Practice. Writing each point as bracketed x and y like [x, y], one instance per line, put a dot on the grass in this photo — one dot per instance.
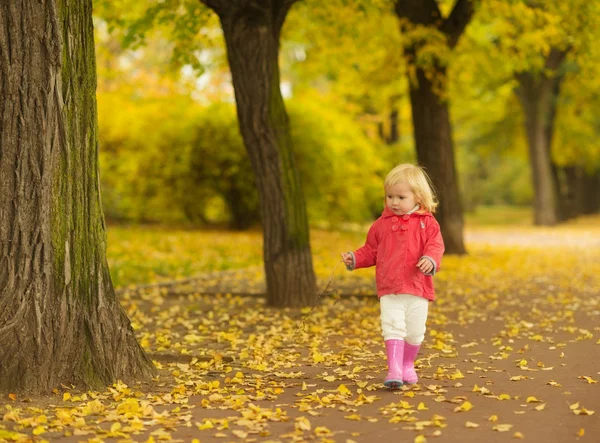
[143, 255]
[499, 215]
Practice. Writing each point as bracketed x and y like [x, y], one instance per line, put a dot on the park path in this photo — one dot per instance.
[511, 353]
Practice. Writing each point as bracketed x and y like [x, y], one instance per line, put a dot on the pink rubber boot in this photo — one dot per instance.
[408, 365]
[395, 354]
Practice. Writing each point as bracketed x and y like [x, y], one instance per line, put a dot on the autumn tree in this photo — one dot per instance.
[538, 46]
[252, 29]
[60, 321]
[429, 37]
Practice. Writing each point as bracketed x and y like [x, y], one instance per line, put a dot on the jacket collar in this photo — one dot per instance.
[387, 212]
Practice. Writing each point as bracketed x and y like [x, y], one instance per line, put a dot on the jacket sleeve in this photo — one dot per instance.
[366, 256]
[434, 245]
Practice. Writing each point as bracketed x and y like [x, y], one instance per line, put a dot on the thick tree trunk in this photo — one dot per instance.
[538, 94]
[252, 38]
[60, 322]
[431, 118]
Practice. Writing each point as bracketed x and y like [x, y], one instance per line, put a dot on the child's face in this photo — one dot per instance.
[400, 198]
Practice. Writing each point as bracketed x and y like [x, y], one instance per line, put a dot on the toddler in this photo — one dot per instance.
[406, 247]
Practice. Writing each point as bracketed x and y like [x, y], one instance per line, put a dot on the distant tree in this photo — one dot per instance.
[540, 46]
[60, 321]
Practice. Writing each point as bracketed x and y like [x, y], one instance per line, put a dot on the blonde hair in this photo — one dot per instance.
[418, 180]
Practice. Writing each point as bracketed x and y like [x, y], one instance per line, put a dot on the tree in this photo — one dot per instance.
[60, 321]
[252, 31]
[429, 36]
[537, 48]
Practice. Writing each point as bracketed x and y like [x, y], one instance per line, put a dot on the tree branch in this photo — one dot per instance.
[556, 57]
[216, 5]
[423, 12]
[280, 11]
[457, 21]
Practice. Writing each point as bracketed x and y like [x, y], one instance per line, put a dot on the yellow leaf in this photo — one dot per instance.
[502, 428]
[39, 430]
[541, 407]
[422, 407]
[574, 406]
[581, 432]
[322, 431]
[66, 396]
[342, 389]
[329, 378]
[420, 439]
[318, 358]
[115, 427]
[13, 397]
[493, 418]
[518, 435]
[240, 433]
[532, 399]
[504, 397]
[353, 417]
[590, 380]
[466, 406]
[470, 424]
[206, 425]
[302, 424]
[583, 411]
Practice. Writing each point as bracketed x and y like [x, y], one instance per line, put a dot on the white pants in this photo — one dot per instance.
[403, 317]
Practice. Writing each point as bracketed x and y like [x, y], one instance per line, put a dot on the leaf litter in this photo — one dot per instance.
[230, 368]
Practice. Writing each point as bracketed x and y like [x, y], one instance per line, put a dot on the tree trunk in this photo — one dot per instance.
[435, 151]
[574, 176]
[538, 94]
[592, 193]
[252, 39]
[60, 322]
[431, 118]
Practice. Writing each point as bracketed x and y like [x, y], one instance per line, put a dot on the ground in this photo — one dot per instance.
[511, 353]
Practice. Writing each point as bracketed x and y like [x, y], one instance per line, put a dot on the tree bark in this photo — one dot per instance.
[575, 191]
[538, 93]
[592, 193]
[252, 31]
[60, 322]
[430, 114]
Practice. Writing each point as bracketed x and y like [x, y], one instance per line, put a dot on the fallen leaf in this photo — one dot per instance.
[466, 406]
[502, 428]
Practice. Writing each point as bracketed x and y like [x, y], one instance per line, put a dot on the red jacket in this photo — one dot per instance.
[395, 244]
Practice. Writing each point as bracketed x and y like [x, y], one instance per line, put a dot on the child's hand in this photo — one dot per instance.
[425, 265]
[347, 258]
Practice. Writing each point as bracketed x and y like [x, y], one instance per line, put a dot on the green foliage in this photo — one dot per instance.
[342, 171]
[165, 158]
[173, 161]
[144, 146]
